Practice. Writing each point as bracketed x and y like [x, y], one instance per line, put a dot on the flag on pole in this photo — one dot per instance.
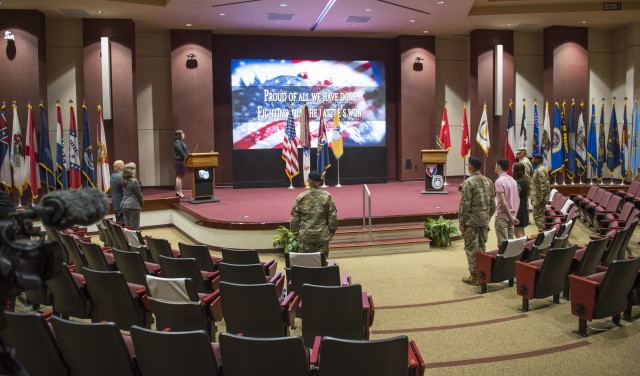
[323, 162]
[88, 170]
[290, 148]
[62, 176]
[571, 144]
[522, 141]
[31, 157]
[75, 177]
[17, 154]
[545, 142]
[581, 151]
[465, 144]
[602, 148]
[482, 137]
[510, 145]
[336, 135]
[557, 155]
[625, 155]
[47, 176]
[592, 142]
[305, 139]
[613, 142]
[444, 139]
[536, 129]
[102, 153]
[635, 142]
[5, 165]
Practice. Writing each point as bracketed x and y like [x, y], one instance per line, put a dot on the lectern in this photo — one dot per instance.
[434, 161]
[201, 167]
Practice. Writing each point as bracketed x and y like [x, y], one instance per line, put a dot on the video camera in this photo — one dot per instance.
[26, 258]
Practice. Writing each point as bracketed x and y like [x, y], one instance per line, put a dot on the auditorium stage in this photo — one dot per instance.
[264, 208]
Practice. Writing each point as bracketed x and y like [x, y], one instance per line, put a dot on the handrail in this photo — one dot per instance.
[366, 193]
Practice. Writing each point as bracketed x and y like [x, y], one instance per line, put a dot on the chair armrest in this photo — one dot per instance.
[279, 282]
[313, 359]
[274, 278]
[596, 237]
[601, 268]
[583, 295]
[293, 309]
[345, 280]
[416, 363]
[525, 279]
[332, 263]
[365, 301]
[372, 310]
[287, 300]
[215, 309]
[612, 220]
[270, 267]
[483, 266]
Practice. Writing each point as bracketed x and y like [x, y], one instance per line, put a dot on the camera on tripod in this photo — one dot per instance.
[26, 258]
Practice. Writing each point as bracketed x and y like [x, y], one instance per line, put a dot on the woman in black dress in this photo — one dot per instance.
[180, 152]
[523, 192]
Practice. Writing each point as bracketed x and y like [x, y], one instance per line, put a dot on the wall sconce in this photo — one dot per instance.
[11, 44]
[9, 35]
[417, 64]
[192, 63]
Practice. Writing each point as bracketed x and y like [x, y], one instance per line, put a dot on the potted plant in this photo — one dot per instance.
[440, 231]
[285, 239]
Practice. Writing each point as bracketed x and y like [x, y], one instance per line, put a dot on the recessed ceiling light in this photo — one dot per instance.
[283, 5]
[223, 14]
[584, 22]
[367, 10]
[426, 32]
[508, 25]
[412, 20]
[97, 11]
[439, 2]
[188, 25]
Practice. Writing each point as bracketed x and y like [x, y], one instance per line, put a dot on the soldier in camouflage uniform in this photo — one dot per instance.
[539, 191]
[313, 217]
[477, 204]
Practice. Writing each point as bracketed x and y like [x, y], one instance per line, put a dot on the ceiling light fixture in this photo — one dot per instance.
[188, 25]
[322, 14]
[508, 25]
[584, 22]
[367, 10]
[412, 21]
[426, 32]
[283, 5]
[97, 11]
[223, 14]
[440, 2]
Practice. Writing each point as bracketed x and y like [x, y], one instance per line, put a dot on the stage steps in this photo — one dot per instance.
[385, 240]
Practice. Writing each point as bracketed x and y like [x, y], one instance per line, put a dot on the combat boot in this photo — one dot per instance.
[471, 280]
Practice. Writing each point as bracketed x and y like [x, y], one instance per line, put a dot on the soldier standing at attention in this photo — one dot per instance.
[476, 206]
[522, 158]
[313, 217]
[539, 190]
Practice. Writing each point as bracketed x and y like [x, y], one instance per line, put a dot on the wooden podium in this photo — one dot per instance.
[434, 161]
[201, 167]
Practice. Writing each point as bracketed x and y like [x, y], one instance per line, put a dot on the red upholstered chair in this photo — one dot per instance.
[248, 256]
[249, 274]
[586, 260]
[160, 247]
[95, 348]
[603, 294]
[257, 310]
[617, 246]
[630, 193]
[133, 267]
[542, 278]
[34, 343]
[499, 265]
[175, 353]
[204, 282]
[591, 207]
[600, 212]
[579, 198]
[200, 252]
[383, 357]
[534, 248]
[586, 202]
[615, 222]
[337, 311]
[70, 295]
[96, 258]
[274, 356]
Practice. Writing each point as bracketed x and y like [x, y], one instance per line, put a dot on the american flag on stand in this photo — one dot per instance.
[290, 148]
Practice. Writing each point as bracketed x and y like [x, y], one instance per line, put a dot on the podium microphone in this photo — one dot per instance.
[196, 148]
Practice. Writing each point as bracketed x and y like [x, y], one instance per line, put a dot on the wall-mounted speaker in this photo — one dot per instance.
[498, 70]
[105, 57]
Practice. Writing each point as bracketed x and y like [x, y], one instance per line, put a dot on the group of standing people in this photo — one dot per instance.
[126, 194]
[507, 199]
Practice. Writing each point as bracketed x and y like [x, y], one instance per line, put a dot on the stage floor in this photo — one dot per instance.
[392, 202]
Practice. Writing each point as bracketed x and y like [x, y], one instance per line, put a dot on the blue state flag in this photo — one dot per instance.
[536, 129]
[613, 143]
[88, 170]
[47, 176]
[571, 145]
[557, 148]
[635, 143]
[592, 141]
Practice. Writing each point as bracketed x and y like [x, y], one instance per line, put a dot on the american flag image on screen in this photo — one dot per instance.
[263, 90]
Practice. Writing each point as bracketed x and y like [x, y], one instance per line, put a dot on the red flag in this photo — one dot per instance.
[444, 139]
[465, 144]
[31, 156]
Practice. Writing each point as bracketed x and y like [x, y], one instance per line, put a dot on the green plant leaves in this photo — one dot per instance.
[285, 239]
[440, 231]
